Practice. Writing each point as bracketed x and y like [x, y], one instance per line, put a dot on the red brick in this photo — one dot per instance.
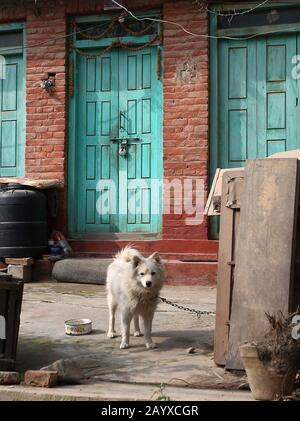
[9, 378]
[40, 378]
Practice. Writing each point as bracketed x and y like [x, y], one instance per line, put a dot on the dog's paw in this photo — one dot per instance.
[124, 345]
[151, 345]
[111, 335]
[137, 334]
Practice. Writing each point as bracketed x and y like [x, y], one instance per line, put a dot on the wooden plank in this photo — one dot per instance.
[265, 253]
[39, 184]
[228, 233]
[24, 261]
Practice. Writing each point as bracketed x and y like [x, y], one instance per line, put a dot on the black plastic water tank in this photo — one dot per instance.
[23, 221]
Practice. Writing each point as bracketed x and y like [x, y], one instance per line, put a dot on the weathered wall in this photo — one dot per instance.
[185, 84]
[185, 106]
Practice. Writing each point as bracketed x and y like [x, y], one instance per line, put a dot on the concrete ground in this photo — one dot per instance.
[114, 374]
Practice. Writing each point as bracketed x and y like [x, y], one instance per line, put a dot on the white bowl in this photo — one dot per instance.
[77, 327]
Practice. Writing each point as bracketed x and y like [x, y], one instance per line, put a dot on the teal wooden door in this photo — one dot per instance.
[258, 99]
[97, 123]
[119, 99]
[12, 117]
[141, 110]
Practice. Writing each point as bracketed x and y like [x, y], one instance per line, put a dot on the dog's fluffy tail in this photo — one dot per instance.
[127, 254]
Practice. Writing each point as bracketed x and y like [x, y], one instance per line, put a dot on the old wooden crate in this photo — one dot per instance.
[11, 293]
[265, 258]
[255, 277]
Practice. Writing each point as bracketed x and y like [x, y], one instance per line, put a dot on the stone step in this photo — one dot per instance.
[184, 257]
[173, 246]
[191, 273]
[93, 271]
[118, 391]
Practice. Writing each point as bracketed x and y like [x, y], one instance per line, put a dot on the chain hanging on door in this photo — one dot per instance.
[116, 24]
[115, 44]
[113, 30]
[87, 35]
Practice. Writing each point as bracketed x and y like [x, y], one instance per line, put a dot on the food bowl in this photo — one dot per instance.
[77, 327]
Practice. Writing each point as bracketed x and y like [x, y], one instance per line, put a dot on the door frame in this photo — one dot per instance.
[72, 209]
[216, 33]
[18, 27]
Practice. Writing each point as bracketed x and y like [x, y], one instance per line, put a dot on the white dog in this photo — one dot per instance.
[133, 284]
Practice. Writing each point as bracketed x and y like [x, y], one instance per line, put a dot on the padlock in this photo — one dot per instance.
[123, 148]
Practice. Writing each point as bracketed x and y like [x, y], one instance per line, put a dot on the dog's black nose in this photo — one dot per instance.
[148, 284]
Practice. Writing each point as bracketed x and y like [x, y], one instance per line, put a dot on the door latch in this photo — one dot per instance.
[124, 142]
[122, 119]
[123, 148]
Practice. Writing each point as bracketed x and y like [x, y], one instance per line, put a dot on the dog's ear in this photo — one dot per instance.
[156, 257]
[135, 261]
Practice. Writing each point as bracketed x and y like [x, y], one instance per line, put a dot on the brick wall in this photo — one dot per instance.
[185, 95]
[185, 107]
[46, 136]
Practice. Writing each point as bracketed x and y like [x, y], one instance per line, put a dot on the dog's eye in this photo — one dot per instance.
[153, 273]
[142, 274]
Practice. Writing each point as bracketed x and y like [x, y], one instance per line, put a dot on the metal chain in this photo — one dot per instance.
[109, 29]
[137, 33]
[92, 56]
[199, 313]
[115, 44]
[94, 37]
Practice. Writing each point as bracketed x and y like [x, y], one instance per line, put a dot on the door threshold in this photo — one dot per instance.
[116, 236]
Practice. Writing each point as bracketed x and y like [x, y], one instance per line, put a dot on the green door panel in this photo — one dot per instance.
[119, 97]
[140, 106]
[276, 99]
[12, 117]
[258, 110]
[237, 135]
[97, 155]
[257, 99]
